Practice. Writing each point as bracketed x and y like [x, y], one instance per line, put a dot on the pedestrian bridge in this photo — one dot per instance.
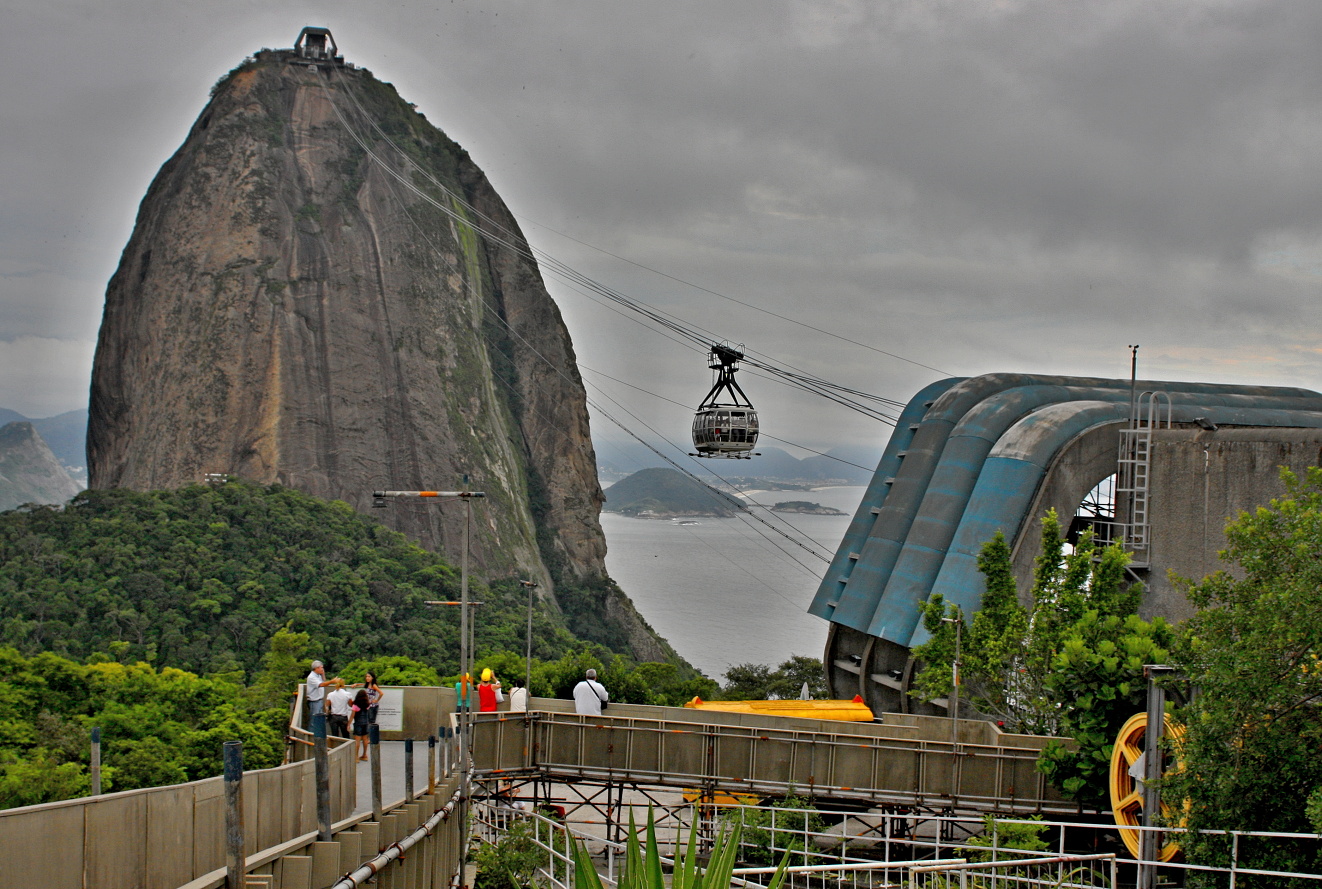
[905, 761]
[175, 837]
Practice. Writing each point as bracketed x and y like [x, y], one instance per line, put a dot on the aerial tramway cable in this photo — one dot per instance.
[698, 338]
[512, 242]
[742, 508]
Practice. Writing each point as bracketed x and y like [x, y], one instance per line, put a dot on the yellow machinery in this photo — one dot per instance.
[840, 711]
[1127, 792]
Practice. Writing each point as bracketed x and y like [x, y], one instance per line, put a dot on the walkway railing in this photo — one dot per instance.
[847, 848]
[757, 759]
[162, 837]
[1057, 871]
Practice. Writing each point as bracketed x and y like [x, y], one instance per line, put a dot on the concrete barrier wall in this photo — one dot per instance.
[163, 837]
[308, 863]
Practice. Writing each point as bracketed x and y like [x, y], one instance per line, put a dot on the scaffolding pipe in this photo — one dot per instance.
[371, 868]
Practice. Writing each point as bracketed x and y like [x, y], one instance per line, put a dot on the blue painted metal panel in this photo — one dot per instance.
[902, 550]
[923, 552]
[842, 567]
[1016, 468]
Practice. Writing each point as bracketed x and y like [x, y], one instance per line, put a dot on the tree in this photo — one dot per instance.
[758, 682]
[1253, 652]
[157, 727]
[1072, 664]
[395, 670]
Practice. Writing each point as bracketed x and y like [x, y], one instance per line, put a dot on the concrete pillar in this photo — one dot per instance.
[296, 872]
[326, 867]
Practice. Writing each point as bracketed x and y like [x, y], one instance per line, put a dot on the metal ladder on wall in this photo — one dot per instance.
[1151, 410]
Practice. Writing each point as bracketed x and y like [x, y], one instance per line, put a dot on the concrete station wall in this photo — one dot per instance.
[1200, 479]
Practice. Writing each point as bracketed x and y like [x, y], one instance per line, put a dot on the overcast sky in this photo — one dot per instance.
[970, 186]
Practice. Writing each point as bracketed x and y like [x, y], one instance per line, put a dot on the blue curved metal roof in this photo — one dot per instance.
[966, 459]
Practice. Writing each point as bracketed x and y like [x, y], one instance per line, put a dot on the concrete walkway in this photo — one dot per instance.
[392, 774]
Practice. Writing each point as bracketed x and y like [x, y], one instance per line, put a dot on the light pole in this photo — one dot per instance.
[531, 587]
[958, 621]
[379, 499]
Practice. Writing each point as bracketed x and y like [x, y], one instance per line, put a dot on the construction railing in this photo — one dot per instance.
[765, 760]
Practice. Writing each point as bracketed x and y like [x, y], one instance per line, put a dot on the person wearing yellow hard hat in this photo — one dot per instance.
[488, 692]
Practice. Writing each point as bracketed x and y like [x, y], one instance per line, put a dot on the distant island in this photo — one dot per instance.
[803, 507]
[659, 493]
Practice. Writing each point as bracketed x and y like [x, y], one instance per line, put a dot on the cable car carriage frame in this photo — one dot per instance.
[725, 428]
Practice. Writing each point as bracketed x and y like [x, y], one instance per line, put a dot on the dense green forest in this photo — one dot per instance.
[177, 620]
[167, 726]
[201, 578]
[158, 727]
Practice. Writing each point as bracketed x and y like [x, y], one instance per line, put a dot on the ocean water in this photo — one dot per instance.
[731, 591]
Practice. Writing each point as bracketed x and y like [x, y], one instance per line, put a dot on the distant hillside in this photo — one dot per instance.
[29, 472]
[848, 464]
[664, 493]
[65, 434]
[806, 507]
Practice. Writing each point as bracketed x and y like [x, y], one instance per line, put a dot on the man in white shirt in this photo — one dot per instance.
[590, 696]
[340, 702]
[315, 693]
[518, 698]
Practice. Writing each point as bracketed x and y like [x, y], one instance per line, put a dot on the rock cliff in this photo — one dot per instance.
[298, 305]
[29, 472]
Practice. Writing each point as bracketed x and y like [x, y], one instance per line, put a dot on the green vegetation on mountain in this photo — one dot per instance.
[805, 507]
[158, 727]
[201, 578]
[665, 493]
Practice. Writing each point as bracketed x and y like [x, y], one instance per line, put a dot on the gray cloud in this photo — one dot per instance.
[976, 186]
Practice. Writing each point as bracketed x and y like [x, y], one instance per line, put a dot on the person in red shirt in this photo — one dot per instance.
[488, 692]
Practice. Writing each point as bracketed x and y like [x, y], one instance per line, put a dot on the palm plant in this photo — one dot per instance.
[643, 870]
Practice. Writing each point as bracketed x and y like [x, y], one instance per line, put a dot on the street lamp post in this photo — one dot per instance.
[954, 677]
[379, 499]
[527, 675]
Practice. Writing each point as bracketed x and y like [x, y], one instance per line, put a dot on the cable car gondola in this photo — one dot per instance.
[725, 429]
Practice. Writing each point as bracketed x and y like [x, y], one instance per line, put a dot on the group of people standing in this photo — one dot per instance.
[349, 714]
[590, 696]
[344, 709]
[489, 693]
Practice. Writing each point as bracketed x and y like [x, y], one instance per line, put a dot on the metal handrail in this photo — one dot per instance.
[757, 758]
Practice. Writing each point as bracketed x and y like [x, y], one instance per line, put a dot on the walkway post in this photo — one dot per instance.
[321, 757]
[408, 770]
[235, 860]
[1149, 845]
[96, 760]
[374, 745]
[431, 764]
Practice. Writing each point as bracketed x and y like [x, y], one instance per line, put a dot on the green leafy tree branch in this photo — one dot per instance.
[1071, 664]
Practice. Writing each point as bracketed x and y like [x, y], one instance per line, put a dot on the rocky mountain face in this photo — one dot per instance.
[29, 472]
[306, 300]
